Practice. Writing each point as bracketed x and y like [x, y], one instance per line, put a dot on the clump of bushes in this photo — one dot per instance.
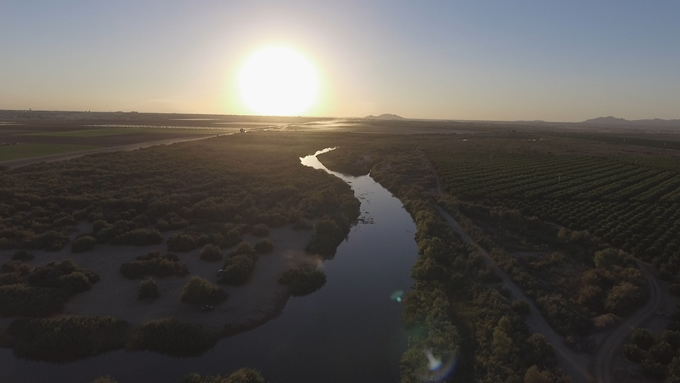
[139, 237]
[303, 280]
[148, 289]
[173, 337]
[211, 253]
[156, 264]
[83, 243]
[657, 353]
[244, 248]
[22, 255]
[239, 267]
[327, 236]
[264, 246]
[124, 232]
[260, 230]
[41, 290]
[243, 375]
[66, 339]
[181, 243]
[199, 291]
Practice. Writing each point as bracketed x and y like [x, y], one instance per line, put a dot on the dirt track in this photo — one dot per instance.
[575, 365]
[611, 347]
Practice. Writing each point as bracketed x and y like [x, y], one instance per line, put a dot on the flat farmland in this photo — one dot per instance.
[27, 137]
[17, 152]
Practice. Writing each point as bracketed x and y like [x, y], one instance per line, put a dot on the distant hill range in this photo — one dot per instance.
[384, 117]
[651, 123]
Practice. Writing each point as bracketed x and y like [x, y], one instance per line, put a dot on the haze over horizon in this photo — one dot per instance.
[464, 60]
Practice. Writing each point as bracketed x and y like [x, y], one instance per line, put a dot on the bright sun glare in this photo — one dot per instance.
[278, 81]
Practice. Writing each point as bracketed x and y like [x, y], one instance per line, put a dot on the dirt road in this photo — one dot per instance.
[573, 364]
[611, 347]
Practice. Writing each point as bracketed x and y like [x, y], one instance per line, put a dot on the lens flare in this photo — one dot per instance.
[439, 368]
[397, 295]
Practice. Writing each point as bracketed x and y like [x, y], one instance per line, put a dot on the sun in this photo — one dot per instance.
[278, 81]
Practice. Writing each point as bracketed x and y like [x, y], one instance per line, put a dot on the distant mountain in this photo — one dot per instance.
[384, 117]
[652, 123]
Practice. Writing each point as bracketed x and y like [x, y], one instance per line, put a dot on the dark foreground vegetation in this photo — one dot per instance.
[172, 337]
[244, 375]
[66, 339]
[657, 354]
[36, 291]
[72, 338]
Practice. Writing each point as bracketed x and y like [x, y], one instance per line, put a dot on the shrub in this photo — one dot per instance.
[83, 244]
[652, 369]
[303, 279]
[211, 253]
[633, 352]
[172, 337]
[24, 300]
[327, 236]
[41, 290]
[199, 291]
[260, 230]
[155, 264]
[642, 338]
[244, 375]
[139, 237]
[264, 246]
[232, 238]
[66, 339]
[22, 255]
[238, 269]
[50, 241]
[148, 289]
[181, 243]
[244, 248]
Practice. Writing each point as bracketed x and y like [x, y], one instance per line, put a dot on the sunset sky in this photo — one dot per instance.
[482, 60]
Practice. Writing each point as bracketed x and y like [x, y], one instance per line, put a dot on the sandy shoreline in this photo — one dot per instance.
[248, 306]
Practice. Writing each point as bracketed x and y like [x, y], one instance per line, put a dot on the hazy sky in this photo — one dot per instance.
[493, 60]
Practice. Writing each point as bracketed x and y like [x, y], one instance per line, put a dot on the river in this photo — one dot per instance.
[348, 331]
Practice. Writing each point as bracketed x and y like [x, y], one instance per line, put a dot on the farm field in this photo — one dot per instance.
[107, 131]
[632, 204]
[16, 152]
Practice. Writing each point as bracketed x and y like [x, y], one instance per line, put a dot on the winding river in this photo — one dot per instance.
[348, 331]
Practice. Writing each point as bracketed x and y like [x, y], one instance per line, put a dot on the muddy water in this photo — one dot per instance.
[348, 331]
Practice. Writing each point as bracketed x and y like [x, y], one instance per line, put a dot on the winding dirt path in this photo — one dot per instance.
[611, 346]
